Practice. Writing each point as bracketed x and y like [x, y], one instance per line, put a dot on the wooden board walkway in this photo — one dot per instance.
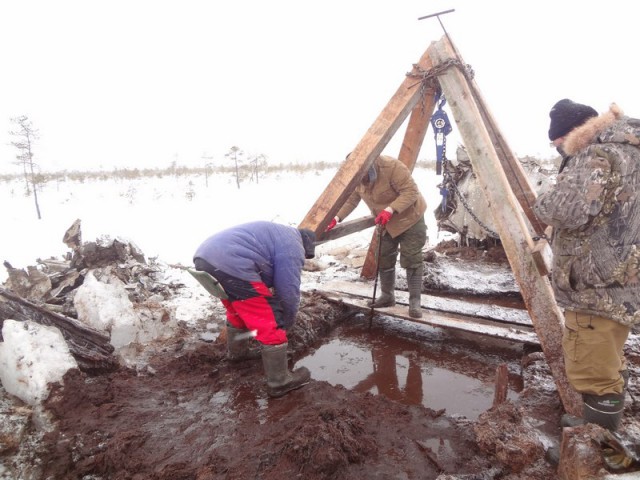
[492, 320]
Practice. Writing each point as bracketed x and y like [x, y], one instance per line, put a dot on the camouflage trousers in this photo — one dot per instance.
[593, 353]
[410, 243]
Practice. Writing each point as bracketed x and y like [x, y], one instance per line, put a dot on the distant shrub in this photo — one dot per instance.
[177, 171]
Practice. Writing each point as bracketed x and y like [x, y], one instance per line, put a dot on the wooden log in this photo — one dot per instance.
[363, 290]
[510, 223]
[73, 236]
[501, 385]
[411, 144]
[408, 95]
[347, 228]
[513, 170]
[541, 256]
[90, 348]
[357, 296]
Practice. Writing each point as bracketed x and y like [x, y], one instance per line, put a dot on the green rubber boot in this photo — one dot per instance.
[414, 282]
[388, 288]
[280, 380]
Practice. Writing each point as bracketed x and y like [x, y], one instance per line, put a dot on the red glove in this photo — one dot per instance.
[332, 224]
[383, 217]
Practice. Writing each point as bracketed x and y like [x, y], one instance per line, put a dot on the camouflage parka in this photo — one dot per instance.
[594, 208]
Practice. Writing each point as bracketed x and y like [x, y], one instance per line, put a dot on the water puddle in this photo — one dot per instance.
[414, 364]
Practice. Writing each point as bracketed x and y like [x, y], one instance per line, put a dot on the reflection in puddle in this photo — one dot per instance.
[436, 374]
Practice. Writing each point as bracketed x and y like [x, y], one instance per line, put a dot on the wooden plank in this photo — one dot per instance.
[520, 334]
[516, 176]
[510, 224]
[347, 228]
[371, 145]
[497, 313]
[411, 144]
[90, 347]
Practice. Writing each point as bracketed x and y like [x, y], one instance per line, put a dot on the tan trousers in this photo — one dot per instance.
[593, 355]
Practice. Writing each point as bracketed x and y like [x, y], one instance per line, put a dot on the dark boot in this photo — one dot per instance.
[414, 282]
[388, 288]
[280, 380]
[568, 420]
[604, 410]
[552, 456]
[240, 346]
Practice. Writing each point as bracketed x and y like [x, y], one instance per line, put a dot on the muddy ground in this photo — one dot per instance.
[193, 415]
[190, 414]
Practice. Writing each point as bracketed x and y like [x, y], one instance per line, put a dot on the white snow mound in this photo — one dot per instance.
[107, 308]
[31, 357]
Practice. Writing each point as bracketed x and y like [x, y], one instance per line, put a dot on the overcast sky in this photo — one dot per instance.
[143, 83]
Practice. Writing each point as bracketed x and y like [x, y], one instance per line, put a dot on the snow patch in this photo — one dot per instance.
[31, 357]
[106, 307]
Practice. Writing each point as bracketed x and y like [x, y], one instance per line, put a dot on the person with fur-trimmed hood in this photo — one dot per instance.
[393, 197]
[594, 209]
[259, 265]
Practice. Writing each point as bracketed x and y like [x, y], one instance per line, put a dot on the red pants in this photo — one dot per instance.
[256, 313]
[250, 305]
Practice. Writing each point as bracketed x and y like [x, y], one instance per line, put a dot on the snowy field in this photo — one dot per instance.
[166, 217]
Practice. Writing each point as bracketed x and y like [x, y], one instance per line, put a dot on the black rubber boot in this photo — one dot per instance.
[568, 420]
[280, 380]
[414, 282]
[552, 456]
[604, 410]
[388, 288]
[239, 345]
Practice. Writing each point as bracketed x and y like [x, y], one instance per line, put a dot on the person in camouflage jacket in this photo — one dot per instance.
[594, 211]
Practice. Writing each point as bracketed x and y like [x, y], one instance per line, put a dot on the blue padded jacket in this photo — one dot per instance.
[261, 252]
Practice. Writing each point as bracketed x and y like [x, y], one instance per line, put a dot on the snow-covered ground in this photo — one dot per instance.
[166, 218]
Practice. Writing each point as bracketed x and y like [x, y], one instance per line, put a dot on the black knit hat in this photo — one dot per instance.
[308, 242]
[566, 115]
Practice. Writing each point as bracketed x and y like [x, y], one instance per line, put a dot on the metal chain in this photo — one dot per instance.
[466, 206]
[428, 77]
[428, 81]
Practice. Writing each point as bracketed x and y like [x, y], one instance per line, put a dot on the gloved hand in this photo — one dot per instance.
[332, 224]
[384, 216]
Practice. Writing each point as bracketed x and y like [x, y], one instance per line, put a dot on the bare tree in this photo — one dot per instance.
[257, 163]
[207, 165]
[238, 157]
[24, 138]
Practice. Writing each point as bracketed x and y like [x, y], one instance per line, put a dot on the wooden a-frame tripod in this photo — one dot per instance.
[500, 175]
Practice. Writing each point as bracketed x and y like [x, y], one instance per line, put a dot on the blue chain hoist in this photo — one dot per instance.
[441, 128]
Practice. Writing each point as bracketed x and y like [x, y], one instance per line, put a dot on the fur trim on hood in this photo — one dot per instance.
[585, 134]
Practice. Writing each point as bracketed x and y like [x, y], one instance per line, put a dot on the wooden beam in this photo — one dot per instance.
[347, 228]
[444, 320]
[515, 173]
[507, 213]
[514, 317]
[413, 138]
[375, 139]
[90, 348]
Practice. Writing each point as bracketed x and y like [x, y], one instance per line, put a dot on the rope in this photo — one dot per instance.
[428, 78]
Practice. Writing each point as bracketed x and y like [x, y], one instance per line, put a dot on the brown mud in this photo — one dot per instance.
[190, 414]
[193, 415]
